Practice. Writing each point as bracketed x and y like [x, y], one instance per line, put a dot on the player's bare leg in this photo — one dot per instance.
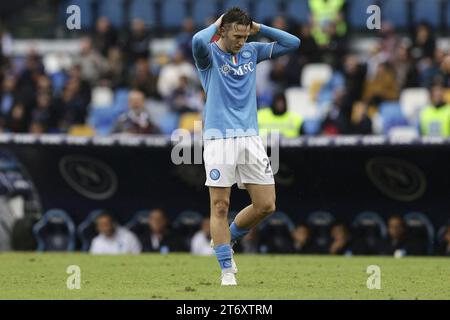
[220, 232]
[220, 202]
[263, 205]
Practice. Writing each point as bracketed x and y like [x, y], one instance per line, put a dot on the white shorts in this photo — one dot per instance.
[236, 160]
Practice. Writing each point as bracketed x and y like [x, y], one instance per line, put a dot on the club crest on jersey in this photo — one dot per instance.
[246, 54]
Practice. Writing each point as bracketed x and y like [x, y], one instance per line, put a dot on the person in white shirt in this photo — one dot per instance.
[113, 239]
[201, 241]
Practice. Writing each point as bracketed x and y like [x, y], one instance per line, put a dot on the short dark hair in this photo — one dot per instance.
[236, 14]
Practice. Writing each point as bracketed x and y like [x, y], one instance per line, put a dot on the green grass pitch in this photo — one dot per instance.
[182, 276]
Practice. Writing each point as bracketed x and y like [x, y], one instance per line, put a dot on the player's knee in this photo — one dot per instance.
[220, 208]
[267, 208]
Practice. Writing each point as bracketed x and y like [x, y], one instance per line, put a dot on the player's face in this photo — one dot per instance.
[235, 36]
[105, 226]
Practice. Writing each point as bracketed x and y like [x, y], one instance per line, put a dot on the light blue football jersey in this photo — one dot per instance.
[230, 85]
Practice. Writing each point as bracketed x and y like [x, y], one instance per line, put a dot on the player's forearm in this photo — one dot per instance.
[285, 42]
[201, 40]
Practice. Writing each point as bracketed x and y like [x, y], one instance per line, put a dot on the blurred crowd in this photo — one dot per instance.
[35, 98]
[157, 235]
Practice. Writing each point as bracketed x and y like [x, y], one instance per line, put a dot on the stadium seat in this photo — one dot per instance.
[298, 10]
[173, 12]
[139, 223]
[243, 4]
[427, 11]
[404, 132]
[320, 223]
[81, 130]
[369, 229]
[55, 231]
[143, 9]
[392, 116]
[186, 224]
[102, 119]
[86, 9]
[412, 101]
[312, 127]
[357, 13]
[421, 229]
[299, 101]
[121, 100]
[113, 10]
[102, 97]
[58, 81]
[315, 72]
[265, 10]
[188, 120]
[168, 122]
[395, 12]
[275, 233]
[87, 230]
[202, 10]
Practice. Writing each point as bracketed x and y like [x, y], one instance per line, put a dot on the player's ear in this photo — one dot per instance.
[222, 32]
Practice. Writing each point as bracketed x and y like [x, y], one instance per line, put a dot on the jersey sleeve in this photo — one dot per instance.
[263, 50]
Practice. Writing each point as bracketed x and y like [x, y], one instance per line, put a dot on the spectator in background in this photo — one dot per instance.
[336, 120]
[277, 117]
[72, 107]
[323, 14]
[360, 123]
[85, 87]
[8, 96]
[336, 46]
[201, 241]
[302, 240]
[171, 72]
[435, 118]
[136, 120]
[444, 76]
[424, 42]
[398, 243]
[115, 70]
[444, 247]
[137, 43]
[340, 240]
[112, 238]
[310, 51]
[141, 78]
[430, 69]
[27, 80]
[43, 116]
[185, 98]
[105, 36]
[92, 63]
[184, 39]
[18, 118]
[158, 237]
[406, 72]
[389, 41]
[355, 75]
[382, 87]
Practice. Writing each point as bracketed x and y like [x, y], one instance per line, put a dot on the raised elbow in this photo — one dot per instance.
[295, 44]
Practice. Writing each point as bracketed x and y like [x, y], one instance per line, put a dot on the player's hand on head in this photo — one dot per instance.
[255, 28]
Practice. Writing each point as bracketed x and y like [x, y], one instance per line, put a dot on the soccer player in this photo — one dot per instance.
[227, 69]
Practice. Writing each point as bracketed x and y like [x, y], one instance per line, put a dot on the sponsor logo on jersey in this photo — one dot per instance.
[238, 71]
